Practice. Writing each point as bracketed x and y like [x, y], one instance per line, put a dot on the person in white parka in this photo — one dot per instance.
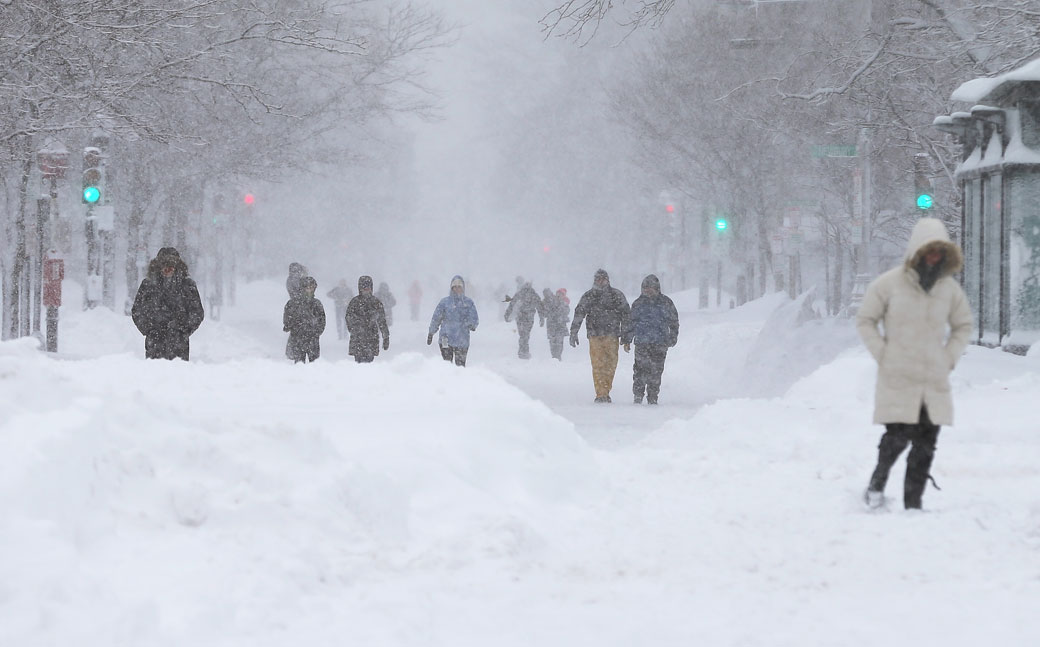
[926, 326]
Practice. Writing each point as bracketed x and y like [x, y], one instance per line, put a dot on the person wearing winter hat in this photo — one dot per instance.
[653, 326]
[366, 319]
[605, 311]
[304, 319]
[916, 302]
[167, 308]
[455, 317]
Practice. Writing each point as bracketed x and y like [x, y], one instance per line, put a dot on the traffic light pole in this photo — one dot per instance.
[863, 272]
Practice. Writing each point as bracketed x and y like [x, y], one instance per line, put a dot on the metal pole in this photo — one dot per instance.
[43, 206]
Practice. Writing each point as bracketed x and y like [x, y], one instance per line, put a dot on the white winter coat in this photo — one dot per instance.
[924, 332]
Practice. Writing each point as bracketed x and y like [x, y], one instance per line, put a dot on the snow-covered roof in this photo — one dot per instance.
[976, 90]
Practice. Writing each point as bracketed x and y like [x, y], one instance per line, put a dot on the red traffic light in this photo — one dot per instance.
[669, 208]
[248, 199]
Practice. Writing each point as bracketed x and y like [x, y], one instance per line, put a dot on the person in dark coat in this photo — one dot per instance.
[341, 296]
[167, 308]
[456, 317]
[387, 299]
[292, 282]
[605, 312]
[366, 319]
[523, 305]
[557, 316]
[304, 320]
[653, 325]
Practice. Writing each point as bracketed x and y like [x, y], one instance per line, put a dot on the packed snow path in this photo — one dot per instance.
[239, 499]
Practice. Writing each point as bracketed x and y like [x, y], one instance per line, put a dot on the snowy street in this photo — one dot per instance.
[242, 500]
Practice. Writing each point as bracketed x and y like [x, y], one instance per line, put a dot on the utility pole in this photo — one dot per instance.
[864, 207]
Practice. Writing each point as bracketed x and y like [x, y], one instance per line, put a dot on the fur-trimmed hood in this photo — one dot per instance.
[165, 257]
[931, 233]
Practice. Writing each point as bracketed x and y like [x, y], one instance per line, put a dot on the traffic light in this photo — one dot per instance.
[248, 199]
[922, 184]
[669, 208]
[721, 224]
[93, 175]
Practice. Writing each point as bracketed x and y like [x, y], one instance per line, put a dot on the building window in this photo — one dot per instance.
[992, 259]
[1024, 256]
[1030, 120]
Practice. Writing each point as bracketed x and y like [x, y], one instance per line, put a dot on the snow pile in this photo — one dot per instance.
[140, 500]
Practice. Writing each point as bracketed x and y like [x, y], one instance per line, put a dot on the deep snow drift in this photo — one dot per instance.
[242, 500]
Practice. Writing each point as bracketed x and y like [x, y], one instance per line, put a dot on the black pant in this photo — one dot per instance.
[166, 345]
[456, 353]
[923, 437]
[523, 327]
[556, 346]
[303, 349]
[647, 371]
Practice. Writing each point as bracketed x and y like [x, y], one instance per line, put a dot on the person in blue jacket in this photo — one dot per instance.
[456, 317]
[654, 326]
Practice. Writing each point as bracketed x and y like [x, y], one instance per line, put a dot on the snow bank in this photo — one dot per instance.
[141, 500]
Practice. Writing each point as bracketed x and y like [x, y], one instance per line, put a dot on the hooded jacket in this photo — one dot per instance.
[653, 320]
[366, 319]
[915, 355]
[167, 310]
[557, 313]
[605, 311]
[524, 304]
[455, 316]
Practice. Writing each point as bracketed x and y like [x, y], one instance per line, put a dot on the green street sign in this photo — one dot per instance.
[834, 150]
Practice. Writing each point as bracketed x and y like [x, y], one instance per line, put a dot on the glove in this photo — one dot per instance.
[473, 328]
[429, 339]
[574, 340]
[285, 329]
[386, 343]
[628, 348]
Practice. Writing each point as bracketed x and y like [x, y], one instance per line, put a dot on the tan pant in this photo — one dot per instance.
[603, 351]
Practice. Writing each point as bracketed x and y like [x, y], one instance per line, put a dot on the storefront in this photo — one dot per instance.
[999, 180]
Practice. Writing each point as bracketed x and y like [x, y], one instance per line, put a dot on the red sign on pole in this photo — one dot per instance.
[53, 273]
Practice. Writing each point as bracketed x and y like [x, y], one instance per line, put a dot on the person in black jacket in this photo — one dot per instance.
[304, 320]
[654, 326]
[605, 312]
[366, 319]
[167, 308]
[523, 305]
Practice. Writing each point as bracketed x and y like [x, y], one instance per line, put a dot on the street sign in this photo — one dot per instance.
[833, 150]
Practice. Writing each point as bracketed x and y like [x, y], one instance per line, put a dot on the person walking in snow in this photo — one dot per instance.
[415, 299]
[366, 319]
[653, 325]
[557, 316]
[523, 305]
[167, 308]
[916, 302]
[292, 282]
[387, 299]
[341, 296]
[455, 317]
[605, 311]
[304, 319]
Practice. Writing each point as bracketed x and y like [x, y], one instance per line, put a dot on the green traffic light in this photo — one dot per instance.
[91, 194]
[721, 224]
[925, 201]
